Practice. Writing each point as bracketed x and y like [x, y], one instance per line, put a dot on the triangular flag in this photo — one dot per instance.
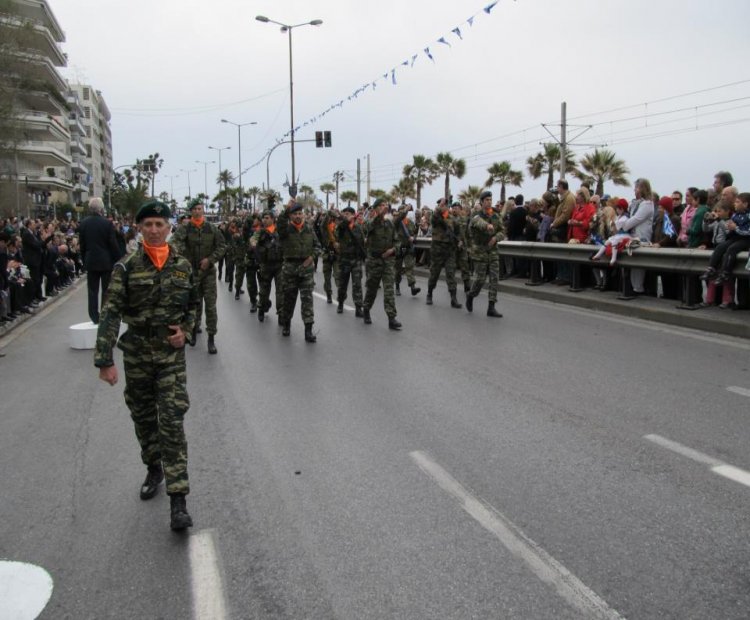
[489, 7]
[442, 40]
[405, 63]
[374, 86]
[393, 76]
[457, 30]
[471, 20]
[413, 60]
[427, 51]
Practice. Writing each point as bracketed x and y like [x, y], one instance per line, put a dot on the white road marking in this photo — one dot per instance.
[739, 390]
[25, 590]
[718, 467]
[324, 298]
[541, 563]
[208, 591]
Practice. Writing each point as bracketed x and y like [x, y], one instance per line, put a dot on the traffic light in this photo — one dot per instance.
[327, 138]
[319, 139]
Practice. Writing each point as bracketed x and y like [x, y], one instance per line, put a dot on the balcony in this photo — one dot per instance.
[78, 166]
[75, 124]
[76, 145]
[43, 122]
[42, 67]
[45, 153]
[39, 12]
[40, 40]
[40, 101]
[38, 179]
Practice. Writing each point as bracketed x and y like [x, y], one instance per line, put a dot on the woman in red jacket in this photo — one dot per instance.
[580, 220]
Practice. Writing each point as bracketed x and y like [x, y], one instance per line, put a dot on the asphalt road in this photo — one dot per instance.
[555, 463]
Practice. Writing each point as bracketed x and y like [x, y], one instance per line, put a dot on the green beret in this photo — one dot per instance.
[268, 213]
[378, 202]
[153, 208]
[348, 210]
[295, 207]
[485, 194]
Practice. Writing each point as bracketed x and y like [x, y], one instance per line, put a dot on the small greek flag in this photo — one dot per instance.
[668, 228]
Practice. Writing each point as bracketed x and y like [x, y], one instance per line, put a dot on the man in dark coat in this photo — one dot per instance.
[33, 249]
[100, 252]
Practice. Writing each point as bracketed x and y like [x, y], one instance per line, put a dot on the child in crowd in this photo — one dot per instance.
[724, 255]
[716, 223]
[617, 242]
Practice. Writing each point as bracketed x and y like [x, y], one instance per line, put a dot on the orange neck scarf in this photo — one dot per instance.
[446, 214]
[271, 229]
[157, 253]
[488, 211]
[198, 222]
[298, 226]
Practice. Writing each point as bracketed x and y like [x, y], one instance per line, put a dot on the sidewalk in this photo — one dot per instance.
[713, 319]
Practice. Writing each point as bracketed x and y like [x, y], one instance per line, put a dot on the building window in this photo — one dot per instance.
[87, 111]
[88, 131]
[88, 151]
[86, 94]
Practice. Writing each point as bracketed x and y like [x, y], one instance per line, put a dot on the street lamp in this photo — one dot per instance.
[205, 175]
[288, 28]
[239, 126]
[220, 149]
[171, 178]
[190, 193]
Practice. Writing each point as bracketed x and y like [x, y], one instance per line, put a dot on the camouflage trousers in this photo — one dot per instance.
[350, 268]
[381, 270]
[482, 267]
[247, 270]
[206, 284]
[405, 265]
[298, 279]
[229, 271]
[270, 272]
[331, 267]
[443, 255]
[156, 394]
[463, 264]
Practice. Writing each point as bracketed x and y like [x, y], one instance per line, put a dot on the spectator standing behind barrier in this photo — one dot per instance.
[666, 229]
[32, 249]
[724, 256]
[559, 228]
[696, 237]
[686, 217]
[100, 252]
[640, 225]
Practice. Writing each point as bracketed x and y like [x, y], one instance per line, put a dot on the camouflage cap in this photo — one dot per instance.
[153, 208]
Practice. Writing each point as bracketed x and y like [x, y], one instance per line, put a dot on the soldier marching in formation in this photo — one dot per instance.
[330, 245]
[246, 263]
[445, 236]
[351, 240]
[485, 230]
[406, 229]
[267, 248]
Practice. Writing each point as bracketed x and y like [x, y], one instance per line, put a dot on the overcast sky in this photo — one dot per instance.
[170, 70]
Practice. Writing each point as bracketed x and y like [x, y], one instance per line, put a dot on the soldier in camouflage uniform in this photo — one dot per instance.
[265, 243]
[382, 246]
[351, 240]
[299, 247]
[227, 257]
[443, 251]
[202, 244]
[485, 231]
[330, 251]
[406, 230]
[246, 265]
[152, 292]
[462, 248]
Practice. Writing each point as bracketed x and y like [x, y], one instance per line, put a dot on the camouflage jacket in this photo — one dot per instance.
[444, 229]
[351, 240]
[381, 236]
[296, 244]
[265, 243]
[480, 247]
[148, 300]
[196, 243]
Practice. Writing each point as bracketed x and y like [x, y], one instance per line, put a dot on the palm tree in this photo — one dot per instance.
[445, 164]
[378, 193]
[272, 194]
[327, 189]
[503, 173]
[306, 191]
[402, 190]
[470, 196]
[253, 192]
[603, 165]
[348, 196]
[422, 171]
[548, 163]
[226, 177]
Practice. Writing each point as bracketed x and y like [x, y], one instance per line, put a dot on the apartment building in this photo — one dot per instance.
[97, 139]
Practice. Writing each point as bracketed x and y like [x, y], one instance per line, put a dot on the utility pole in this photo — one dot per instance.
[563, 142]
[359, 182]
[338, 176]
[368, 178]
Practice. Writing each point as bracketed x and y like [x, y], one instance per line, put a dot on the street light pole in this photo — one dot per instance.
[205, 175]
[171, 178]
[239, 149]
[220, 149]
[288, 28]
[190, 193]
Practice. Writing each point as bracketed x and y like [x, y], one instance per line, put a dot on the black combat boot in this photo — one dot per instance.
[366, 316]
[415, 290]
[212, 345]
[394, 324]
[329, 298]
[253, 306]
[309, 336]
[358, 312]
[340, 308]
[153, 479]
[179, 517]
[492, 312]
[261, 315]
[286, 328]
[428, 301]
[454, 301]
[198, 329]
[398, 289]
[237, 295]
[470, 301]
[230, 287]
[467, 286]
[240, 291]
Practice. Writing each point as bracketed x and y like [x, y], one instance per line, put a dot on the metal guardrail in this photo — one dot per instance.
[687, 263]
